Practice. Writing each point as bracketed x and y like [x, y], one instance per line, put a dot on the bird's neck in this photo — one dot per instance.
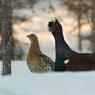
[61, 47]
[34, 47]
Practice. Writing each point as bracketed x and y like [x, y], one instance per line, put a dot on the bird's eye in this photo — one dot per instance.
[32, 36]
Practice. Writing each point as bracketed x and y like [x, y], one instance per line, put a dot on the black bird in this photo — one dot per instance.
[63, 51]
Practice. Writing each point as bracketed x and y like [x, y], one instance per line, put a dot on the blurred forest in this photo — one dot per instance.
[29, 15]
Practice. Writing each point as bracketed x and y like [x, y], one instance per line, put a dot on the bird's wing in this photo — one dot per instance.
[47, 60]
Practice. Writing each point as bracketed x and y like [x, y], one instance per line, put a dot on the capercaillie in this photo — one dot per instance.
[77, 61]
[36, 60]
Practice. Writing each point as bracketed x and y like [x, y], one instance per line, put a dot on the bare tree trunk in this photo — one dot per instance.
[6, 36]
[0, 32]
[79, 14]
[93, 25]
[79, 35]
[0, 17]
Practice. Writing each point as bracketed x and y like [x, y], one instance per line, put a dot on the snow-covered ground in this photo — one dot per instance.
[23, 82]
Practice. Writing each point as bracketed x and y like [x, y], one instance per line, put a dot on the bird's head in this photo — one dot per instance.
[54, 26]
[32, 37]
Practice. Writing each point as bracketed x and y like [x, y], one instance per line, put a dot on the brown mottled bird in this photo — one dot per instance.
[36, 60]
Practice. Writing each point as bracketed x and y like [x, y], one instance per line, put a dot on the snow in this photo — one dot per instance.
[23, 82]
